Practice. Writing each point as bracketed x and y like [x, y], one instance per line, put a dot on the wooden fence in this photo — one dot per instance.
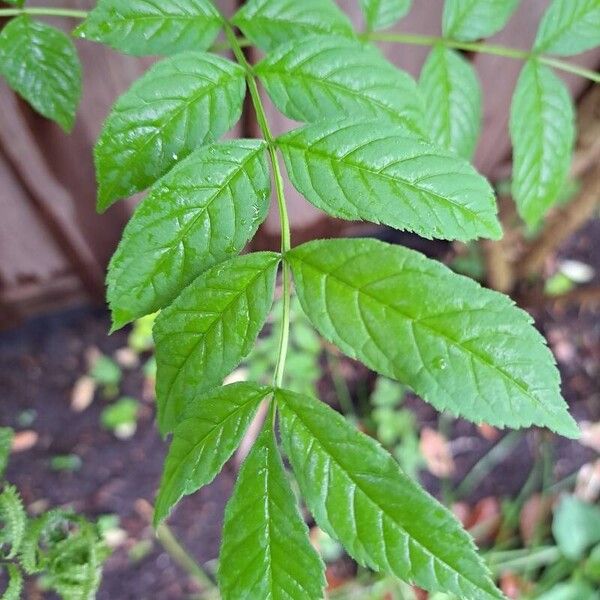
[54, 247]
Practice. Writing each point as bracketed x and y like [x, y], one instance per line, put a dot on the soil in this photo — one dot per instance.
[41, 361]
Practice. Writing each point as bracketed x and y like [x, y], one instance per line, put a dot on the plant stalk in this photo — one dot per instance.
[482, 48]
[263, 124]
[180, 555]
[44, 11]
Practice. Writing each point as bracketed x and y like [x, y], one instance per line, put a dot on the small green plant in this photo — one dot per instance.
[62, 549]
[374, 146]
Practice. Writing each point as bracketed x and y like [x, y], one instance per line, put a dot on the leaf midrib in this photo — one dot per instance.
[299, 74]
[453, 342]
[254, 399]
[226, 76]
[397, 180]
[201, 212]
[202, 335]
[373, 501]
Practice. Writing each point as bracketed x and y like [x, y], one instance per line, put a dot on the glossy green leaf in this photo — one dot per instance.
[268, 23]
[41, 64]
[15, 583]
[358, 495]
[380, 14]
[203, 211]
[6, 438]
[266, 553]
[209, 328]
[327, 77]
[212, 428]
[470, 20]
[13, 522]
[378, 172]
[569, 27]
[576, 527]
[142, 27]
[452, 95]
[180, 104]
[543, 133]
[459, 346]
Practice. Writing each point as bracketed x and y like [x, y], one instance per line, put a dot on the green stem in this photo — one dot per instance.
[482, 48]
[523, 559]
[180, 555]
[44, 11]
[263, 124]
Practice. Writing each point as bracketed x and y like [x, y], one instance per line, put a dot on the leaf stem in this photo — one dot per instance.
[180, 555]
[263, 124]
[44, 11]
[482, 48]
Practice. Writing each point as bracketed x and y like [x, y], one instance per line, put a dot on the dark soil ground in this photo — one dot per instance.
[41, 361]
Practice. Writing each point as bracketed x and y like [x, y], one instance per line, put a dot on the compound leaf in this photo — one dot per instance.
[202, 212]
[380, 14]
[6, 438]
[41, 64]
[459, 346]
[469, 20]
[262, 524]
[327, 77]
[543, 133]
[569, 27]
[15, 583]
[211, 430]
[209, 328]
[452, 95]
[268, 23]
[142, 27]
[180, 104]
[378, 172]
[13, 521]
[358, 494]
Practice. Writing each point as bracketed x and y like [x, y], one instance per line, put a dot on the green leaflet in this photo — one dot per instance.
[268, 23]
[452, 95]
[211, 430]
[209, 328]
[358, 494]
[380, 14]
[142, 27]
[266, 553]
[6, 437]
[459, 346]
[470, 20]
[378, 172]
[180, 104]
[543, 133]
[41, 64]
[327, 77]
[569, 27]
[576, 527]
[13, 522]
[15, 583]
[202, 212]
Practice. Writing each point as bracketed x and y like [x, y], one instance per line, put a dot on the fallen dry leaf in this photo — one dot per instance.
[590, 435]
[461, 511]
[535, 512]
[83, 393]
[24, 440]
[488, 432]
[514, 586]
[484, 521]
[436, 451]
[127, 358]
[587, 486]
